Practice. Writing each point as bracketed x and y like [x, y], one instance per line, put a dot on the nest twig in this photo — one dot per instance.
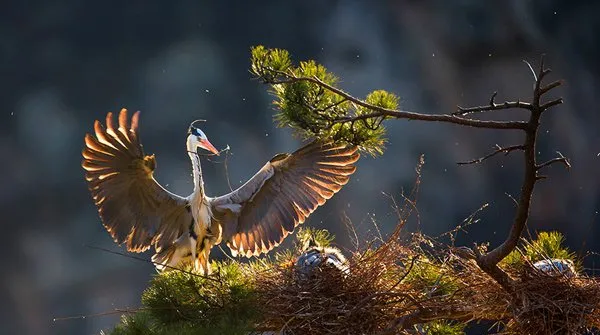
[383, 293]
[330, 301]
[554, 304]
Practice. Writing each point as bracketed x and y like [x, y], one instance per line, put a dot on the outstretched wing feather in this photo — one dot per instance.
[282, 195]
[134, 208]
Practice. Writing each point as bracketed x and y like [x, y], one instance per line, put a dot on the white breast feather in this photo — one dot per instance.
[202, 216]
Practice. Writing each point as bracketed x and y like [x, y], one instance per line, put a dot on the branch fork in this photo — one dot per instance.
[488, 262]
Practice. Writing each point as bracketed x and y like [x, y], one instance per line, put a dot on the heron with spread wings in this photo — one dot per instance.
[253, 219]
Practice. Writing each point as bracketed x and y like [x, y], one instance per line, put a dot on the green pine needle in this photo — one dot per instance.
[546, 245]
[320, 236]
[444, 328]
[312, 110]
[433, 276]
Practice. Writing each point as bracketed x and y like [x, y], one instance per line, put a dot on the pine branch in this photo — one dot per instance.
[288, 78]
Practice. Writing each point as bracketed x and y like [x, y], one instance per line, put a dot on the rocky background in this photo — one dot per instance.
[66, 63]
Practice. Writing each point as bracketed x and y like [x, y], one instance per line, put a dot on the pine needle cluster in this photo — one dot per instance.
[313, 111]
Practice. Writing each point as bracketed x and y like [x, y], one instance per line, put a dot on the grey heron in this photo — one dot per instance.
[315, 256]
[253, 219]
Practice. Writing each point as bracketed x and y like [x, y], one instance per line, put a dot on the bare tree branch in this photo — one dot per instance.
[535, 78]
[492, 106]
[550, 86]
[560, 159]
[551, 104]
[488, 262]
[499, 149]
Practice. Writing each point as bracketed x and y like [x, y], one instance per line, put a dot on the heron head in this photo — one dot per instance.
[197, 139]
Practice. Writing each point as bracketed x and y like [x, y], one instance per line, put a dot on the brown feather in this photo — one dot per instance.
[133, 207]
[274, 203]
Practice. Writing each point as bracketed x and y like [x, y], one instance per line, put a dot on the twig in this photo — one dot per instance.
[226, 167]
[499, 149]
[551, 104]
[535, 78]
[351, 231]
[412, 264]
[396, 208]
[149, 261]
[281, 331]
[112, 312]
[492, 106]
[560, 159]
[513, 199]
[85, 316]
[469, 220]
[550, 86]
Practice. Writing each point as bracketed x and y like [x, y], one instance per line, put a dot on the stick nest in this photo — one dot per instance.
[393, 287]
[554, 304]
[398, 286]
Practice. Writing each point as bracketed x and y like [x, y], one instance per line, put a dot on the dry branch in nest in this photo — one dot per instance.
[363, 300]
[397, 285]
[402, 283]
[554, 304]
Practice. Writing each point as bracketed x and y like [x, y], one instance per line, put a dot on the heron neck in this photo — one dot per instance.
[197, 171]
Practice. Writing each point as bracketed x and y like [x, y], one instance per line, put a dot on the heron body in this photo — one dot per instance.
[253, 219]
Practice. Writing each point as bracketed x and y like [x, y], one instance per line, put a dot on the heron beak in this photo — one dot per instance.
[205, 144]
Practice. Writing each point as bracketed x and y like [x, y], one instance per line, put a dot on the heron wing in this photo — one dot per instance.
[133, 206]
[261, 213]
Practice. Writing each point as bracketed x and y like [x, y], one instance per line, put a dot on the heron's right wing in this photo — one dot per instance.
[261, 213]
[134, 208]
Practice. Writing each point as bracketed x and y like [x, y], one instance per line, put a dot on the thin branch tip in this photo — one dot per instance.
[552, 103]
[550, 86]
[560, 159]
[535, 78]
[499, 149]
[492, 102]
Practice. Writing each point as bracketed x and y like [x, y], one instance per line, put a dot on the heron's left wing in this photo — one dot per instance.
[134, 207]
[258, 216]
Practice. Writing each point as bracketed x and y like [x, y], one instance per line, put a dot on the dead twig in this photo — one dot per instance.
[499, 149]
[560, 159]
[492, 106]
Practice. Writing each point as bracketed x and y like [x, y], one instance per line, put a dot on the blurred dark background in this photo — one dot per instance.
[66, 63]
